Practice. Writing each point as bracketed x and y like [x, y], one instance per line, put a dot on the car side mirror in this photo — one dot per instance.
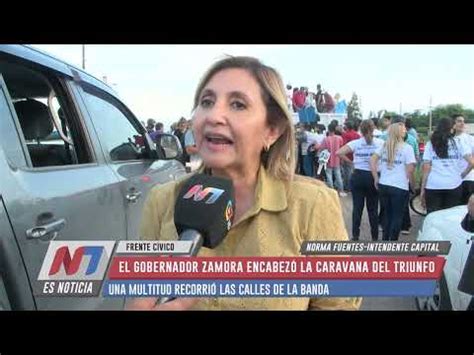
[466, 283]
[468, 223]
[168, 146]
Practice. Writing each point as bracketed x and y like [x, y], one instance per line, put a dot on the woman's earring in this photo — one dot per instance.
[266, 148]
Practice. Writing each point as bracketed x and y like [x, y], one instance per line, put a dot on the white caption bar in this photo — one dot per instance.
[172, 247]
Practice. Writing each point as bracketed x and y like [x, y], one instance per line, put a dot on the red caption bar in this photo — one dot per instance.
[289, 268]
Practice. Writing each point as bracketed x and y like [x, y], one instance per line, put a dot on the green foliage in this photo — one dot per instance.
[390, 113]
[421, 120]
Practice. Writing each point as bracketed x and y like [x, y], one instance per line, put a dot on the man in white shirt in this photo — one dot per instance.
[191, 149]
[377, 132]
[309, 147]
[467, 139]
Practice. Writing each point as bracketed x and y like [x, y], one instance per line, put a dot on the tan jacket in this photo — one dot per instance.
[283, 216]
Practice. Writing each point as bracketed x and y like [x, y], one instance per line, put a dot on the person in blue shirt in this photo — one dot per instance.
[341, 106]
[411, 129]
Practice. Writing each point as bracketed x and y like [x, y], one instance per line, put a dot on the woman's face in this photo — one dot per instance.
[230, 123]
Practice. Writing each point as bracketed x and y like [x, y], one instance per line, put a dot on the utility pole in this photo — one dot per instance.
[83, 56]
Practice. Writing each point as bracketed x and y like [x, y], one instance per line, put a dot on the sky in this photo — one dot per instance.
[158, 81]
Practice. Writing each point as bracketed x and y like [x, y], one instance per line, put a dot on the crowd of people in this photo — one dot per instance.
[243, 131]
[308, 105]
[300, 97]
[375, 160]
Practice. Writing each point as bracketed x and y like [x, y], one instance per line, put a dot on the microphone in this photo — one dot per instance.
[204, 212]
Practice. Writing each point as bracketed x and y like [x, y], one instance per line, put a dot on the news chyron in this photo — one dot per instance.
[164, 269]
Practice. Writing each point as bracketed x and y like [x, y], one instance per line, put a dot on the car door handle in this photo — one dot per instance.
[45, 229]
[133, 196]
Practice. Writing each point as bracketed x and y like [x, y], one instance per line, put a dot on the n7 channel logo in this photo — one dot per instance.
[74, 268]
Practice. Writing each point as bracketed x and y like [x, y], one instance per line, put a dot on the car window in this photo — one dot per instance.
[120, 137]
[44, 111]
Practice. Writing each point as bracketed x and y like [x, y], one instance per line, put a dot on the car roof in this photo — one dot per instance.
[45, 59]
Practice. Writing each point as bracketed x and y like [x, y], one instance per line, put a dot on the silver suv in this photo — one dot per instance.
[75, 164]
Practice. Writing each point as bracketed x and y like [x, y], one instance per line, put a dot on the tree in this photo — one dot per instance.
[418, 119]
[390, 114]
[421, 120]
[353, 110]
[381, 113]
[448, 110]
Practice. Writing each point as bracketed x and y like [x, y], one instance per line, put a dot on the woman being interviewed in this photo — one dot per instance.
[244, 132]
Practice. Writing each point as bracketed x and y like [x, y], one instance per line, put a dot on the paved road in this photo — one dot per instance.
[381, 303]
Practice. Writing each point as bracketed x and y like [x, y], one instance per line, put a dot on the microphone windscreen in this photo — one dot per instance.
[205, 203]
